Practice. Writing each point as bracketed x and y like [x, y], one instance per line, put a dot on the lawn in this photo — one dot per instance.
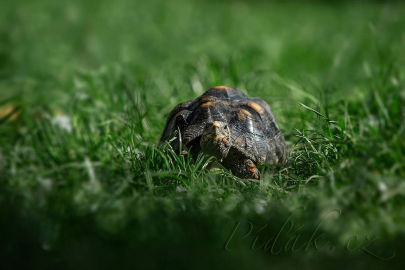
[85, 90]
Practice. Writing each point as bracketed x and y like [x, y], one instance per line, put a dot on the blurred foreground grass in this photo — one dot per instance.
[85, 89]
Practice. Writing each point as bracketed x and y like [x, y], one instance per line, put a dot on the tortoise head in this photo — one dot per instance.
[216, 139]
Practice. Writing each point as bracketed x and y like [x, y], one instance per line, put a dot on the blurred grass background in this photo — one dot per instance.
[85, 89]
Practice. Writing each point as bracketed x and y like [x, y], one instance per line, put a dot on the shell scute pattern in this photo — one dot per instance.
[239, 131]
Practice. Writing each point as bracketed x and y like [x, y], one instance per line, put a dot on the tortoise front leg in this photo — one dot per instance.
[247, 169]
[242, 167]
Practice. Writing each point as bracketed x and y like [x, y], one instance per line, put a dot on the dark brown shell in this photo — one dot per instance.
[254, 131]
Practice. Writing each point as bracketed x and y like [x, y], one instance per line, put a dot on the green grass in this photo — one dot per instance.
[102, 194]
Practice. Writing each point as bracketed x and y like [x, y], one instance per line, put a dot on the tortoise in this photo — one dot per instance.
[240, 132]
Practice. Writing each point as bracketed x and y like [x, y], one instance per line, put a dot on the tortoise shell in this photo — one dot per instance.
[239, 131]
